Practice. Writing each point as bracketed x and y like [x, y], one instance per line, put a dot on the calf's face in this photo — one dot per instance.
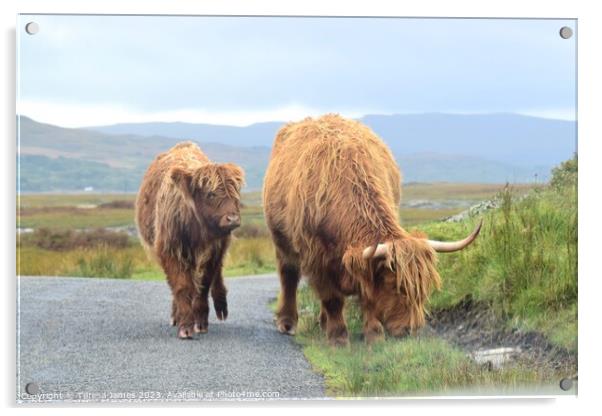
[219, 210]
[213, 193]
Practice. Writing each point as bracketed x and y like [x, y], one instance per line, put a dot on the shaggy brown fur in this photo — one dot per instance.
[332, 189]
[185, 210]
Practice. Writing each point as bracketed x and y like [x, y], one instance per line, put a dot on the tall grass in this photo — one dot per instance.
[99, 261]
[102, 263]
[523, 265]
[246, 256]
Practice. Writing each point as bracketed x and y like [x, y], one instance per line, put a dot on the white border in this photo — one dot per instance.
[589, 139]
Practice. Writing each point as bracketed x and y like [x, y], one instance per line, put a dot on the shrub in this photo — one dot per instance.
[118, 204]
[565, 175]
[62, 240]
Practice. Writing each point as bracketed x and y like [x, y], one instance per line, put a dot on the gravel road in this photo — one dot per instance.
[110, 340]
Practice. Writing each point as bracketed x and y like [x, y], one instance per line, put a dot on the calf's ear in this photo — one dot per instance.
[182, 179]
[236, 173]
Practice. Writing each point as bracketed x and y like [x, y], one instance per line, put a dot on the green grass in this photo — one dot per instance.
[70, 200]
[443, 191]
[413, 216]
[416, 365]
[68, 218]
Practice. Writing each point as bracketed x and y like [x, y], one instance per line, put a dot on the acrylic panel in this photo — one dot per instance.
[269, 208]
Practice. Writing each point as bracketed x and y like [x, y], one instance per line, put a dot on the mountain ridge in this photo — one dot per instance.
[459, 155]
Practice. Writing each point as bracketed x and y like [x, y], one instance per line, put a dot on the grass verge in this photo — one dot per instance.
[417, 365]
[523, 267]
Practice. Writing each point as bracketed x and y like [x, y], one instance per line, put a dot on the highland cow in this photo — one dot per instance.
[186, 209]
[331, 198]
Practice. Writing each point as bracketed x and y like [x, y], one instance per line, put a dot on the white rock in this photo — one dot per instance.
[496, 356]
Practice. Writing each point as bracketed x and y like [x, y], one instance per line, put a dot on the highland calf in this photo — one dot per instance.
[331, 199]
[185, 210]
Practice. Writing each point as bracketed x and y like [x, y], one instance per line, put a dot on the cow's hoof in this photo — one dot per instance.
[399, 332]
[373, 337]
[185, 332]
[340, 341]
[198, 329]
[373, 333]
[286, 325]
[323, 321]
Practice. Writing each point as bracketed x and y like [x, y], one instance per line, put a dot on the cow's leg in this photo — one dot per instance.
[200, 303]
[286, 315]
[290, 274]
[373, 329]
[323, 318]
[336, 328]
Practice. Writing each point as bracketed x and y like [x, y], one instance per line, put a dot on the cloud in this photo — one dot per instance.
[89, 70]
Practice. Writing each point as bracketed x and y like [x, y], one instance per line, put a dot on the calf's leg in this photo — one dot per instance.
[218, 294]
[218, 288]
[183, 294]
[200, 304]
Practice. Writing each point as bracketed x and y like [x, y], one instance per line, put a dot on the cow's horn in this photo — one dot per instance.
[448, 247]
[379, 250]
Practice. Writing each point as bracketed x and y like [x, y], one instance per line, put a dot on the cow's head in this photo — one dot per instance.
[212, 191]
[396, 277]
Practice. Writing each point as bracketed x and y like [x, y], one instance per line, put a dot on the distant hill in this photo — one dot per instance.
[52, 158]
[429, 148]
[259, 134]
[509, 138]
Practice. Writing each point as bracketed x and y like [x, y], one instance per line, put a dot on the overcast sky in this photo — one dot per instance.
[94, 70]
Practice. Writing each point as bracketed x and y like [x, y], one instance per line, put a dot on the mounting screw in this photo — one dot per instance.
[32, 388]
[32, 28]
[566, 384]
[566, 32]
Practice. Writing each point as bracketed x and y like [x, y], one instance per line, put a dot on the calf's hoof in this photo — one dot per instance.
[200, 329]
[286, 325]
[221, 309]
[185, 332]
[172, 321]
